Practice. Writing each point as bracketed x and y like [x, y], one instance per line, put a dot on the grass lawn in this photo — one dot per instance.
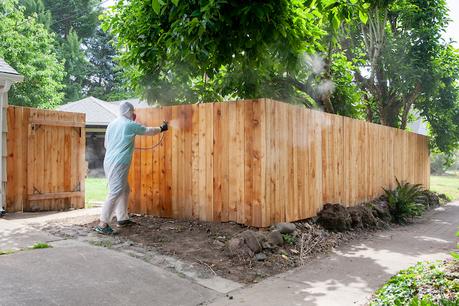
[96, 190]
[448, 185]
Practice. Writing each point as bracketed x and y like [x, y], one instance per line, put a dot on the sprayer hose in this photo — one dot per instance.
[155, 145]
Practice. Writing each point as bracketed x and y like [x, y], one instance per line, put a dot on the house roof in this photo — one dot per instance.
[8, 72]
[99, 112]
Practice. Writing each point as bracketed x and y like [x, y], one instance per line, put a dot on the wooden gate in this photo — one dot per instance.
[46, 160]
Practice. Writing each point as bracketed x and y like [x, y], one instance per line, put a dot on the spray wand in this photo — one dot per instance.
[164, 127]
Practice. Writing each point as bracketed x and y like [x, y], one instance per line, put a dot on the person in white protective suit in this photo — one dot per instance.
[119, 145]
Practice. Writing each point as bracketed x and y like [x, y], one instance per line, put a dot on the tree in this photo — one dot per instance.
[379, 59]
[106, 81]
[76, 65]
[404, 55]
[28, 47]
[85, 49]
[211, 50]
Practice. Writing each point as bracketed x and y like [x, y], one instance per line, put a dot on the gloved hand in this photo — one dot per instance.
[164, 127]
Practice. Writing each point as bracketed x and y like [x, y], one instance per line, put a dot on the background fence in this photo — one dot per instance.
[259, 162]
[46, 160]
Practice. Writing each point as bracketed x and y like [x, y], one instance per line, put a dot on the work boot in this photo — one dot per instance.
[125, 223]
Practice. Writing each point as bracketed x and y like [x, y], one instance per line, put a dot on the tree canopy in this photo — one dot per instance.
[383, 60]
[27, 46]
[86, 51]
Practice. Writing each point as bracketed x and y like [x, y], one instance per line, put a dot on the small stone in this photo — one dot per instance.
[218, 243]
[236, 246]
[261, 257]
[286, 227]
[250, 239]
[275, 238]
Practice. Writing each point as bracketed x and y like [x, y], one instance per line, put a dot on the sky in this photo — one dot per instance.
[453, 28]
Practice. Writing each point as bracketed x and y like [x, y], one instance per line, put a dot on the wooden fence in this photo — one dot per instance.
[260, 162]
[46, 160]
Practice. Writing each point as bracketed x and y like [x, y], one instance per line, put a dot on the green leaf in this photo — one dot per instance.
[156, 6]
[336, 22]
[175, 2]
[363, 17]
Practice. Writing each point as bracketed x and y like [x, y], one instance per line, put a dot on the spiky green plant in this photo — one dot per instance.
[405, 201]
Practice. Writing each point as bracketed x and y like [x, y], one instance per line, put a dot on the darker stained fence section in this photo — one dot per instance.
[258, 162]
[46, 160]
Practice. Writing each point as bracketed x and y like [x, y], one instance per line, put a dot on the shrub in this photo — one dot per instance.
[454, 254]
[405, 201]
[423, 284]
[289, 239]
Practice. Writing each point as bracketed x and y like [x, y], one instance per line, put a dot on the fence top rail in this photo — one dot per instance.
[268, 100]
[77, 117]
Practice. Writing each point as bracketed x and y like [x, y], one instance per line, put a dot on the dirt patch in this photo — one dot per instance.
[237, 252]
[206, 244]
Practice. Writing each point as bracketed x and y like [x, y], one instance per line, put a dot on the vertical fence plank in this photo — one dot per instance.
[218, 141]
[195, 172]
[260, 162]
[236, 161]
[248, 183]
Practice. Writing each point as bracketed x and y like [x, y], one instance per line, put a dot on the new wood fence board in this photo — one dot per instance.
[44, 160]
[259, 162]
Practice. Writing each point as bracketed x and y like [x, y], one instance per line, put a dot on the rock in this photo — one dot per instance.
[236, 246]
[218, 243]
[380, 209]
[250, 239]
[275, 238]
[362, 217]
[261, 257]
[335, 217]
[356, 217]
[431, 199]
[367, 217]
[286, 227]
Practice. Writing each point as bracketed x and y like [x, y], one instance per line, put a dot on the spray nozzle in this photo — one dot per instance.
[164, 127]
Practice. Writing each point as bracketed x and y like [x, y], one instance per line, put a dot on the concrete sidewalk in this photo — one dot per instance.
[349, 275]
[73, 272]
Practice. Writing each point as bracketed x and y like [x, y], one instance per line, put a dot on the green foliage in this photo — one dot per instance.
[29, 48]
[188, 51]
[7, 252]
[454, 254]
[408, 67]
[41, 245]
[76, 66]
[211, 50]
[440, 163]
[87, 51]
[406, 288]
[107, 79]
[289, 239]
[347, 97]
[405, 201]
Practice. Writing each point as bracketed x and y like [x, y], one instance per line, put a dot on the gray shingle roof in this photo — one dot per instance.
[5, 68]
[97, 112]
